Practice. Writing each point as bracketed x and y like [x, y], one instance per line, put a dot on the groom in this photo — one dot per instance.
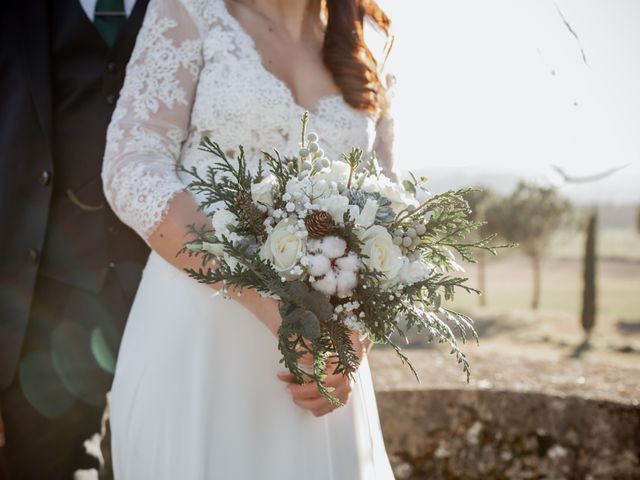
[68, 268]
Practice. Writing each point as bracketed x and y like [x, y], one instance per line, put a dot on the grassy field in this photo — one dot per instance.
[509, 277]
[612, 243]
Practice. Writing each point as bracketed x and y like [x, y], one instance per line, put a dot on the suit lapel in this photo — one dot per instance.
[36, 58]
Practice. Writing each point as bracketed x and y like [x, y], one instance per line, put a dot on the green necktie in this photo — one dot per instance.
[109, 19]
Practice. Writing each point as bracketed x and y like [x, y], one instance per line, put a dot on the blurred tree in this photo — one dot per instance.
[589, 290]
[638, 219]
[479, 200]
[529, 216]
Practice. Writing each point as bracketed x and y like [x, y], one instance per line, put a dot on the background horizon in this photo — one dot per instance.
[497, 90]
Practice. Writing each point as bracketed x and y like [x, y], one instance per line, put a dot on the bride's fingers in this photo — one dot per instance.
[286, 377]
[322, 406]
[310, 390]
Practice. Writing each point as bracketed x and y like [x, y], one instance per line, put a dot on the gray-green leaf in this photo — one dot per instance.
[319, 304]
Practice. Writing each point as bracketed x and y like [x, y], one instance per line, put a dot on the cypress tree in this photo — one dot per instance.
[589, 270]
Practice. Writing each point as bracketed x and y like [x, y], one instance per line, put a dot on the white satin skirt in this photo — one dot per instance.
[195, 397]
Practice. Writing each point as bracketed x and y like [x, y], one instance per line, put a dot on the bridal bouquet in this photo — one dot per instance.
[340, 245]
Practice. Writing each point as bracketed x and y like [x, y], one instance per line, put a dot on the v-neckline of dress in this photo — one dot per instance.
[253, 50]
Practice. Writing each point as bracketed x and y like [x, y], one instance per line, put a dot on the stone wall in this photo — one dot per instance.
[471, 433]
[453, 434]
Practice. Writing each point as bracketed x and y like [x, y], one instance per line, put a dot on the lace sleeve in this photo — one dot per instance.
[384, 141]
[151, 118]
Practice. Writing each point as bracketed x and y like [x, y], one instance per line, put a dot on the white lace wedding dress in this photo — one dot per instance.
[195, 394]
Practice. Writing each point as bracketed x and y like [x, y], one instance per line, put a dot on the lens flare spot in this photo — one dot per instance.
[42, 387]
[75, 364]
[101, 351]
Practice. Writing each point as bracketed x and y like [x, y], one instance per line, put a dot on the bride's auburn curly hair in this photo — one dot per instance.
[355, 70]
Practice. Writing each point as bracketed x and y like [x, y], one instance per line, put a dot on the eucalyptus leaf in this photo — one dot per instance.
[298, 289]
[294, 317]
[409, 186]
[319, 304]
[309, 325]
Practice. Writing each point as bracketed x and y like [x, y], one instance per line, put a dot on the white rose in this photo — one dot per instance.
[335, 205]
[338, 172]
[367, 216]
[262, 192]
[413, 272]
[283, 246]
[382, 254]
[399, 197]
[221, 221]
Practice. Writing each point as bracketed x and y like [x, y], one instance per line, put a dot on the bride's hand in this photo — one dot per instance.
[308, 396]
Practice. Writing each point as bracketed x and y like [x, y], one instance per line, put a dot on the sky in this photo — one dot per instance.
[500, 87]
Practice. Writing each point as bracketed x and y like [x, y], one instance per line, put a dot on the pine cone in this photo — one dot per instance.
[319, 224]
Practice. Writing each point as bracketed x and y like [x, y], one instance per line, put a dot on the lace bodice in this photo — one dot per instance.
[196, 72]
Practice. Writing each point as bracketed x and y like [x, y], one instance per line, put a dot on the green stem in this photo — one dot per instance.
[305, 121]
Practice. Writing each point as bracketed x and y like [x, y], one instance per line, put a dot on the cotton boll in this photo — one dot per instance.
[317, 265]
[313, 245]
[351, 262]
[346, 281]
[333, 247]
[327, 284]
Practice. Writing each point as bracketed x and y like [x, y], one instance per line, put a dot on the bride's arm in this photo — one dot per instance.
[385, 133]
[148, 127]
[169, 237]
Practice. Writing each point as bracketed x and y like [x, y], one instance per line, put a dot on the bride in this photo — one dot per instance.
[199, 392]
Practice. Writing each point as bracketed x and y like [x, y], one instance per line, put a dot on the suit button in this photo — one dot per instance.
[112, 265]
[45, 178]
[111, 67]
[111, 99]
[33, 255]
